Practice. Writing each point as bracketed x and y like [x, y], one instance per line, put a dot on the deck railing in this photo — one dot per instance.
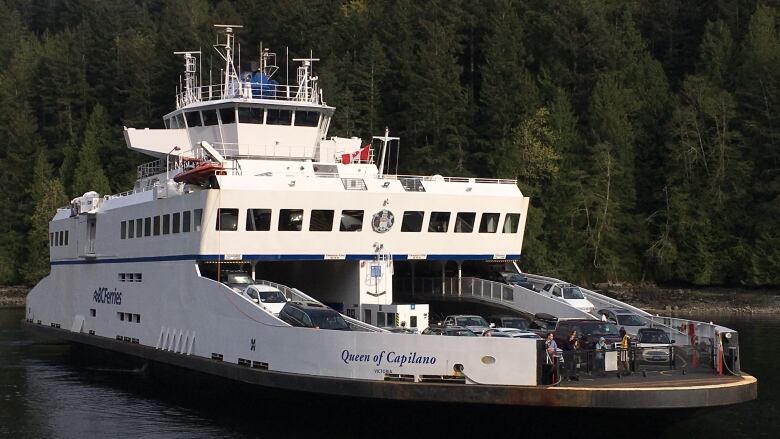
[248, 90]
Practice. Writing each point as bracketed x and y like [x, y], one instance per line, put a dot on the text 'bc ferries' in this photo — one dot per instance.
[257, 248]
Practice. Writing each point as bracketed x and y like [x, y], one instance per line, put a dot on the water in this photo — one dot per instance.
[53, 390]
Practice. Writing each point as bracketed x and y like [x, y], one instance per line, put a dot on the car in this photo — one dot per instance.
[477, 324]
[570, 293]
[517, 279]
[509, 322]
[588, 330]
[266, 296]
[399, 330]
[623, 318]
[312, 315]
[511, 333]
[452, 331]
[654, 345]
[237, 280]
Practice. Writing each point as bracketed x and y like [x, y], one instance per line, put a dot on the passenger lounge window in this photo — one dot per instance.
[210, 117]
[66, 237]
[258, 219]
[489, 223]
[186, 221]
[307, 118]
[440, 222]
[413, 221]
[123, 232]
[250, 115]
[139, 227]
[321, 221]
[197, 219]
[351, 221]
[148, 226]
[278, 117]
[227, 219]
[156, 226]
[464, 222]
[512, 223]
[131, 229]
[290, 220]
[193, 118]
[228, 115]
[176, 222]
[166, 224]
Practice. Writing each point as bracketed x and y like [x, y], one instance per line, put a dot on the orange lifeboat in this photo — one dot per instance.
[200, 173]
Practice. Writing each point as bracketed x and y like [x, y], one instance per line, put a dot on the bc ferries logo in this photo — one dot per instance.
[102, 295]
[382, 221]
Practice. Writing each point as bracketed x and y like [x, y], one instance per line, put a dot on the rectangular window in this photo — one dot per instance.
[51, 239]
[197, 219]
[291, 220]
[412, 321]
[93, 312]
[148, 226]
[167, 123]
[511, 223]
[123, 230]
[351, 221]
[440, 222]
[210, 118]
[250, 115]
[121, 316]
[380, 319]
[121, 277]
[139, 227]
[180, 121]
[258, 220]
[193, 118]
[489, 223]
[156, 226]
[61, 238]
[186, 221]
[307, 118]
[278, 117]
[321, 221]
[176, 222]
[166, 224]
[228, 115]
[66, 237]
[413, 221]
[138, 277]
[172, 123]
[227, 219]
[131, 229]
[464, 222]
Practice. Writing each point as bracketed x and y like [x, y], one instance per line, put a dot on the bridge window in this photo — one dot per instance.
[250, 115]
[186, 221]
[180, 121]
[176, 222]
[413, 221]
[228, 115]
[464, 222]
[307, 118]
[167, 123]
[166, 229]
[511, 223]
[351, 221]
[193, 118]
[156, 226]
[278, 117]
[489, 223]
[440, 222]
[258, 219]
[290, 220]
[227, 219]
[123, 230]
[321, 221]
[148, 226]
[210, 117]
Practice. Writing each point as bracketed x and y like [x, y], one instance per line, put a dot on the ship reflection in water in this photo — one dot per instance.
[54, 390]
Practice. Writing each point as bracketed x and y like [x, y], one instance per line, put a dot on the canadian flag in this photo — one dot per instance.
[359, 155]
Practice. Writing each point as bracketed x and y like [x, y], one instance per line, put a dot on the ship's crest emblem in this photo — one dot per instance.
[382, 221]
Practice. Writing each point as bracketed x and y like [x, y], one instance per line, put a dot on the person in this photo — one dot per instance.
[600, 347]
[625, 342]
[572, 345]
[552, 355]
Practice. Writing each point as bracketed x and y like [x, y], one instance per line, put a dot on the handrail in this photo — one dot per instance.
[248, 90]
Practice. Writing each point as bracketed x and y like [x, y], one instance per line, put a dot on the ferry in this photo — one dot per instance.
[257, 248]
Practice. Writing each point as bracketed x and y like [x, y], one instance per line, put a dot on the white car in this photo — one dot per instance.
[654, 345]
[510, 332]
[266, 296]
[571, 294]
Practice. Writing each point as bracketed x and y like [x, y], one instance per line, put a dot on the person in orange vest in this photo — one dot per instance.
[625, 343]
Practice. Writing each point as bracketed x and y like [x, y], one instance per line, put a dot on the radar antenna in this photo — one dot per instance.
[189, 90]
[307, 84]
[231, 81]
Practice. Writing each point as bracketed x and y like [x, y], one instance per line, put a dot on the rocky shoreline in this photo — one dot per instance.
[654, 299]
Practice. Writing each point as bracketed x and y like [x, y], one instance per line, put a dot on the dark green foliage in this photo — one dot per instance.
[645, 133]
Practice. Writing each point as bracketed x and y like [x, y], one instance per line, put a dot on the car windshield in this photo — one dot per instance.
[572, 293]
[600, 329]
[461, 333]
[239, 278]
[328, 320]
[470, 321]
[629, 320]
[653, 337]
[514, 278]
[271, 296]
[516, 323]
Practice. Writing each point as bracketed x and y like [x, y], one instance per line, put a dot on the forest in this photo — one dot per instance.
[645, 132]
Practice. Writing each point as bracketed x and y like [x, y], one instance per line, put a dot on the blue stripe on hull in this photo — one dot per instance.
[304, 257]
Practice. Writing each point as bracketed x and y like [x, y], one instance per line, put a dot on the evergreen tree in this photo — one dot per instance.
[47, 194]
[89, 175]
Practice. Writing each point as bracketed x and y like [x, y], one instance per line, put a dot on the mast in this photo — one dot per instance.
[189, 89]
[230, 77]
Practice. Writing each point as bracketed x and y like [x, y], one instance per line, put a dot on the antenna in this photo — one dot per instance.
[386, 139]
[190, 85]
[231, 76]
[305, 91]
